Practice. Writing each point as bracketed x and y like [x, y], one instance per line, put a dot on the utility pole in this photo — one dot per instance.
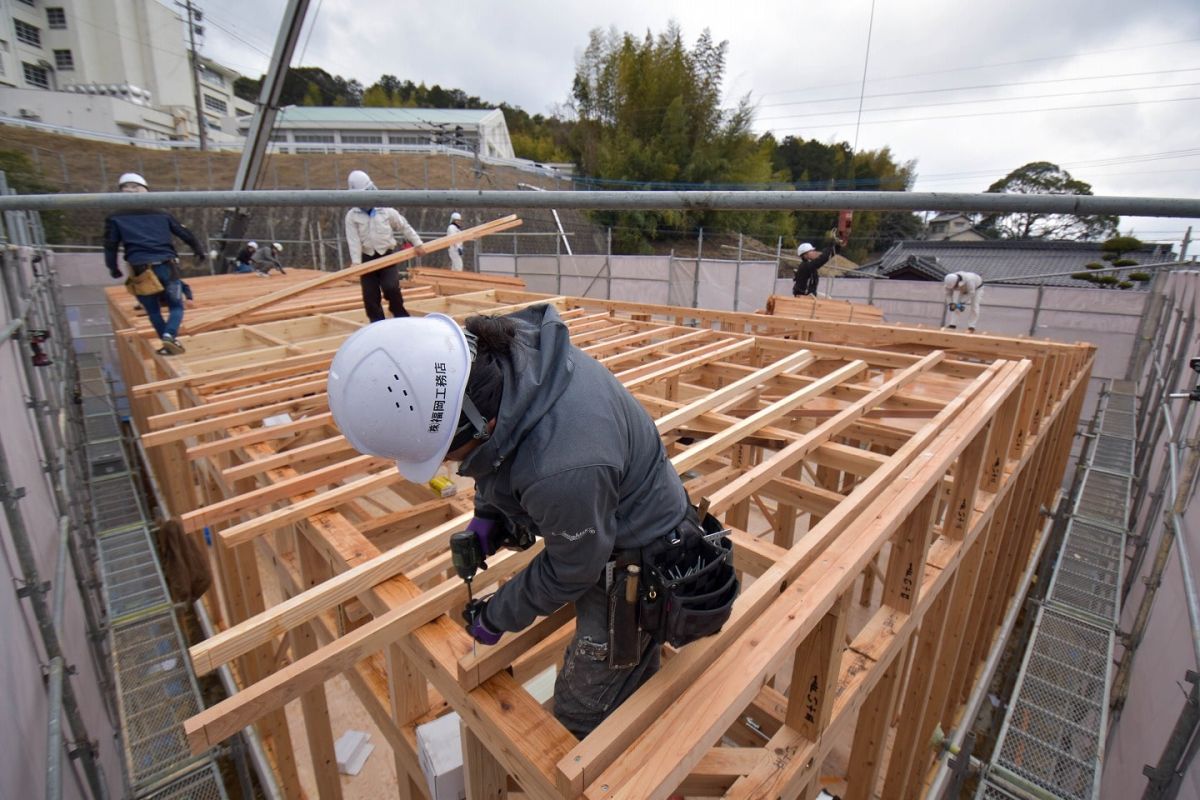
[1187, 239]
[200, 123]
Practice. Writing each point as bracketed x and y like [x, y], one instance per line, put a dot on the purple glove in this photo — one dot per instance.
[488, 532]
[475, 615]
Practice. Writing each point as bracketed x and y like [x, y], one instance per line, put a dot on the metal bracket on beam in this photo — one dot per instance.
[28, 589]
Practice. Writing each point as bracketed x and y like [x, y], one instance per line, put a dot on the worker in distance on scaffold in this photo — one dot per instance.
[371, 234]
[964, 294]
[557, 448]
[145, 236]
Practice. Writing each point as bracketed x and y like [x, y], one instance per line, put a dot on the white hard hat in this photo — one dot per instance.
[359, 181]
[131, 177]
[951, 280]
[396, 390]
[804, 248]
[253, 245]
[455, 217]
[278, 248]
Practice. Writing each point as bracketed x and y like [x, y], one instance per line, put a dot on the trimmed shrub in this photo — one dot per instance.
[1125, 285]
[1108, 280]
[1094, 265]
[1083, 276]
[1124, 262]
[1141, 277]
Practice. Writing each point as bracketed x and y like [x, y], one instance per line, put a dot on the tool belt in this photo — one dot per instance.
[677, 589]
[144, 282]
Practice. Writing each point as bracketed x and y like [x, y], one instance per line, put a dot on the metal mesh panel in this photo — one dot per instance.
[100, 427]
[1104, 497]
[1088, 575]
[96, 405]
[1122, 397]
[156, 695]
[129, 567]
[1113, 454]
[1117, 423]
[155, 688]
[115, 503]
[990, 791]
[204, 784]
[1052, 734]
[106, 458]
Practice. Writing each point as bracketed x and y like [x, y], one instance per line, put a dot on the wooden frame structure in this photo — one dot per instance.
[886, 486]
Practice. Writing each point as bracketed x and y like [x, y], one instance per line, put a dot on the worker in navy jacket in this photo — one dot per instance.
[146, 238]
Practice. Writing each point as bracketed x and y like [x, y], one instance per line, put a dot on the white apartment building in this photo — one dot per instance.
[118, 67]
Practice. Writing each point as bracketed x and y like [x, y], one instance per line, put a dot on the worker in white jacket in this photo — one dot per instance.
[370, 234]
[964, 293]
[456, 251]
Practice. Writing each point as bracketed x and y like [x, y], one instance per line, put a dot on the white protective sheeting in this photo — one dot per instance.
[1157, 688]
[23, 730]
[735, 286]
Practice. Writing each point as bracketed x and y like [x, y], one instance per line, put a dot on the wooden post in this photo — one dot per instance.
[870, 735]
[485, 778]
[313, 570]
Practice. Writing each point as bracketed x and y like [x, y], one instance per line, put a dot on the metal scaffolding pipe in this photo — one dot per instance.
[54, 742]
[720, 200]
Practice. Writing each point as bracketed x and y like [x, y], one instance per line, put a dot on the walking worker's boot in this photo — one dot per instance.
[170, 346]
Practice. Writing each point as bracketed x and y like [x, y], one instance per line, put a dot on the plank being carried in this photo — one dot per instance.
[470, 234]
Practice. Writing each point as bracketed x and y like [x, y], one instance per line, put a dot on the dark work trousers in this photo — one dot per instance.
[587, 689]
[172, 295]
[385, 282]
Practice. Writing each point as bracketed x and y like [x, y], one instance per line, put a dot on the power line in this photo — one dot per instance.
[862, 92]
[1084, 93]
[991, 65]
[997, 113]
[983, 86]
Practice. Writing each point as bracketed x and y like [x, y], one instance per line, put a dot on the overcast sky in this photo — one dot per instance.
[1108, 89]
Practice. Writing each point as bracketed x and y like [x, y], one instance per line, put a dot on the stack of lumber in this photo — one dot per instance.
[884, 484]
[811, 307]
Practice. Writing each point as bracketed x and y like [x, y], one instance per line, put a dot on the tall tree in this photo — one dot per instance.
[814, 165]
[648, 111]
[1042, 177]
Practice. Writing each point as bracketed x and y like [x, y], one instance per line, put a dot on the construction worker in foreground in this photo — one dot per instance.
[150, 253]
[557, 448]
[807, 271]
[456, 251]
[371, 234]
[964, 293]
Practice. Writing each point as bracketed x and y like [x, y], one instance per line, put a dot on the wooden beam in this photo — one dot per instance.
[273, 622]
[225, 510]
[734, 391]
[217, 723]
[273, 520]
[714, 444]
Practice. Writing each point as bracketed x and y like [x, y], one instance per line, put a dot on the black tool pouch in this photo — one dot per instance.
[690, 584]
